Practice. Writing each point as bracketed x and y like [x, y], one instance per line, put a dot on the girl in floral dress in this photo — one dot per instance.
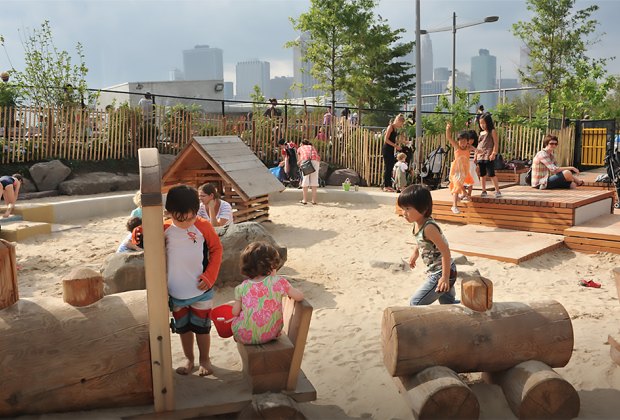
[459, 170]
[258, 300]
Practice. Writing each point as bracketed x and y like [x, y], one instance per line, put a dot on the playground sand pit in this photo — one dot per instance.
[347, 259]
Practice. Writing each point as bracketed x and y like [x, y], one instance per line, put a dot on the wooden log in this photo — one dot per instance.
[9, 293]
[614, 350]
[617, 279]
[477, 293]
[92, 357]
[438, 393]
[82, 287]
[534, 391]
[271, 406]
[415, 338]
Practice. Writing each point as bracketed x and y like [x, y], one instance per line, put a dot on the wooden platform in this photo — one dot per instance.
[505, 245]
[526, 208]
[599, 234]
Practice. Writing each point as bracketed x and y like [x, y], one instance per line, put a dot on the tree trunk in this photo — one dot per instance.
[415, 338]
[438, 393]
[82, 287]
[9, 293]
[535, 391]
[55, 357]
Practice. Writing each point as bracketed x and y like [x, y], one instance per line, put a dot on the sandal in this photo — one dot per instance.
[589, 283]
[388, 189]
[313, 203]
[303, 202]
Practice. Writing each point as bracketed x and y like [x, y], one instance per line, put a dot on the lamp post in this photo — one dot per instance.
[453, 28]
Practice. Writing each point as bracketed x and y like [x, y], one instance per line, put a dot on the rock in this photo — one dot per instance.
[323, 170]
[27, 187]
[466, 273]
[460, 259]
[389, 265]
[234, 240]
[48, 175]
[123, 271]
[339, 175]
[99, 182]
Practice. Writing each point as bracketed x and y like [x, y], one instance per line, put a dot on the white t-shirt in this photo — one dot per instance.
[402, 166]
[225, 212]
[184, 257]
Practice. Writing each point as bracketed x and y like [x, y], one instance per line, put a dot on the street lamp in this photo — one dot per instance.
[453, 28]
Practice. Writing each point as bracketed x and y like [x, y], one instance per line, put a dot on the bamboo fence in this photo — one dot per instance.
[31, 134]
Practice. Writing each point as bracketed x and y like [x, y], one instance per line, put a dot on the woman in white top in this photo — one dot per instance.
[212, 208]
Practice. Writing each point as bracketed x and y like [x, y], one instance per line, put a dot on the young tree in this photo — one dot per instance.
[335, 27]
[558, 38]
[50, 77]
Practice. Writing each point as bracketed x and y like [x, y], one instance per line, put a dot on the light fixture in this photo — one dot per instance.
[219, 87]
[139, 86]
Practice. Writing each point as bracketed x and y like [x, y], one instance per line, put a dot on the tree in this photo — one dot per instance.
[334, 26]
[50, 78]
[558, 38]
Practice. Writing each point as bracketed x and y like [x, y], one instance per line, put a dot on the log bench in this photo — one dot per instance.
[276, 366]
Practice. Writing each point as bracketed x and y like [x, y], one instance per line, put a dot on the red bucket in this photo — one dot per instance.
[222, 317]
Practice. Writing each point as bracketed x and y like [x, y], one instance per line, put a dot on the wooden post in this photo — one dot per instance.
[438, 393]
[9, 293]
[82, 287]
[156, 284]
[477, 293]
[616, 272]
[534, 391]
[453, 336]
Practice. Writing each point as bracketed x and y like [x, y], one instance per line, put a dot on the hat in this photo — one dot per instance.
[274, 101]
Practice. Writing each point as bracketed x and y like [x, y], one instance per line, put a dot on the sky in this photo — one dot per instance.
[142, 40]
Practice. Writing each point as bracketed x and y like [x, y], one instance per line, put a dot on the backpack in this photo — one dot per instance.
[528, 177]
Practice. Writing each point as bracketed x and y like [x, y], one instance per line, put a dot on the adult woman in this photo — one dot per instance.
[307, 152]
[9, 189]
[212, 208]
[389, 144]
[546, 174]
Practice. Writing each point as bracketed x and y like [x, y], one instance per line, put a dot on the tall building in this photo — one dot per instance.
[441, 73]
[203, 63]
[436, 88]
[484, 76]
[228, 90]
[281, 87]
[252, 73]
[175, 75]
[302, 78]
[524, 59]
[426, 52]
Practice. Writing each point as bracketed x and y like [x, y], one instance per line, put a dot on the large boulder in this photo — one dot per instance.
[99, 182]
[234, 239]
[27, 187]
[48, 175]
[323, 170]
[340, 175]
[123, 271]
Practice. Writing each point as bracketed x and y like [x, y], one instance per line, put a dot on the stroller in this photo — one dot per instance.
[291, 174]
[432, 168]
[612, 161]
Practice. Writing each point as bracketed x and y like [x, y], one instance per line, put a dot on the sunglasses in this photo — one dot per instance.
[553, 143]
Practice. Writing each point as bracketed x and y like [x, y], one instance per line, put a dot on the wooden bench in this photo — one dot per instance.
[276, 366]
[510, 175]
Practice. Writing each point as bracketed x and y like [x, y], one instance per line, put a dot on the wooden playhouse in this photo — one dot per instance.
[226, 161]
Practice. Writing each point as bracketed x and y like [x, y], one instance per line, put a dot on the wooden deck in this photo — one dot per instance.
[526, 208]
[599, 234]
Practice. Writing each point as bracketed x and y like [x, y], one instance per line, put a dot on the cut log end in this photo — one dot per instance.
[477, 293]
[9, 293]
[82, 287]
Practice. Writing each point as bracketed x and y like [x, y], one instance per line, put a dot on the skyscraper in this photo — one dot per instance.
[427, 58]
[441, 73]
[203, 63]
[302, 78]
[281, 87]
[484, 76]
[252, 73]
[524, 58]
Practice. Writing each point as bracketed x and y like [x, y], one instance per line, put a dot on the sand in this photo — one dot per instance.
[345, 258]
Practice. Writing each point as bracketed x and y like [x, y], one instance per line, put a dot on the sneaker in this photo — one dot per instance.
[483, 194]
[455, 210]
[498, 194]
[465, 199]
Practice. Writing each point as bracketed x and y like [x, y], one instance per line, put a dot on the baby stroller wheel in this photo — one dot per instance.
[617, 205]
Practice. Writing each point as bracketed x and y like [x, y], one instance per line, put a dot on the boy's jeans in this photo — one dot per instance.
[426, 294]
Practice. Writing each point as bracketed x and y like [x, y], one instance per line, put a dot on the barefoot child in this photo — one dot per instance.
[417, 204]
[486, 152]
[258, 300]
[459, 169]
[191, 274]
[399, 173]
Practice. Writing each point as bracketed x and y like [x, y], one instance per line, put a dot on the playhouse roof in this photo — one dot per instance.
[234, 161]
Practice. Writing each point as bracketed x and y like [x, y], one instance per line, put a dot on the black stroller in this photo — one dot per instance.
[292, 177]
[432, 169]
[612, 161]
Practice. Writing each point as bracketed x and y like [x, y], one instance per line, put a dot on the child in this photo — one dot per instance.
[459, 169]
[417, 204]
[137, 200]
[127, 244]
[486, 152]
[9, 190]
[473, 168]
[399, 173]
[193, 255]
[258, 300]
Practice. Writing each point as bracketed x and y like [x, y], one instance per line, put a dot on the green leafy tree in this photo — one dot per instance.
[558, 38]
[436, 123]
[335, 27]
[256, 96]
[610, 106]
[50, 77]
[585, 90]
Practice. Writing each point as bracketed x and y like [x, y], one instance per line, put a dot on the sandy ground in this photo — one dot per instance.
[339, 254]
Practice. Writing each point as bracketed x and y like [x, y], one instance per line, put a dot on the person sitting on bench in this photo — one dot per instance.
[546, 174]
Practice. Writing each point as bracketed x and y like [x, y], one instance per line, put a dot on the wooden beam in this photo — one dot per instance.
[156, 284]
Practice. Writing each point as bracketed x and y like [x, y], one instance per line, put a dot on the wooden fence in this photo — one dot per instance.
[31, 134]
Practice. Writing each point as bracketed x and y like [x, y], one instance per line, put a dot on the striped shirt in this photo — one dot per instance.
[225, 212]
[543, 166]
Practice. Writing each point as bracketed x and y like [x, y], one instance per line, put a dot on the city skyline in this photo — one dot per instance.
[143, 40]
